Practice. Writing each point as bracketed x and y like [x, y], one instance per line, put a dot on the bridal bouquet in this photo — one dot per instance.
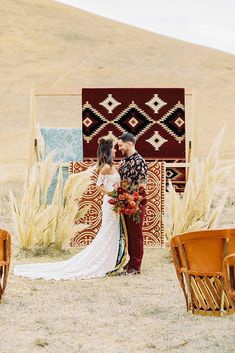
[126, 199]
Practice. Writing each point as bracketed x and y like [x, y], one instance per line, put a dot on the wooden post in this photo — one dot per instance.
[189, 127]
[189, 123]
[33, 116]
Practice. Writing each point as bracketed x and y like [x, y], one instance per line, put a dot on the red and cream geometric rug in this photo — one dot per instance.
[154, 115]
[153, 225]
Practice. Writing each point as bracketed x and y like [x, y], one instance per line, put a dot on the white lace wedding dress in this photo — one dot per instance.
[96, 259]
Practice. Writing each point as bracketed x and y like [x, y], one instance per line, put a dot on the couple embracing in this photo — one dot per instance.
[100, 257]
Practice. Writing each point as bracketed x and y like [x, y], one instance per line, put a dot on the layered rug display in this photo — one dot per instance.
[177, 176]
[153, 226]
[156, 116]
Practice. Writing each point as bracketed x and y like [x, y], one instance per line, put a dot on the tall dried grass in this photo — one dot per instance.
[193, 210]
[37, 223]
[66, 207]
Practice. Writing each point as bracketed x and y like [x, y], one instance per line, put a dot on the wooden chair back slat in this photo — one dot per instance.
[206, 294]
[214, 294]
[200, 299]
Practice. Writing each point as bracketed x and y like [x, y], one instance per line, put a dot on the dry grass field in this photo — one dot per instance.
[143, 313]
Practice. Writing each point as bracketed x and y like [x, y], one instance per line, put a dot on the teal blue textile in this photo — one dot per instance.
[66, 141]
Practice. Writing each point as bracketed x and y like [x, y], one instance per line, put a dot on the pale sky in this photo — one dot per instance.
[206, 22]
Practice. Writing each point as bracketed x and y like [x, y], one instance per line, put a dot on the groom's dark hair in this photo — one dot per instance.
[127, 137]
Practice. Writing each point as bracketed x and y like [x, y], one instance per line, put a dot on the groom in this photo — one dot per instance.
[133, 168]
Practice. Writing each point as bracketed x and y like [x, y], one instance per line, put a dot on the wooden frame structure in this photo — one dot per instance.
[35, 93]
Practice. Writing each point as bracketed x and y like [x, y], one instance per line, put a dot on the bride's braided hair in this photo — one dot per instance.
[104, 152]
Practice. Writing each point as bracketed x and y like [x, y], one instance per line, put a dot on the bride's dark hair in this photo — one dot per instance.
[104, 152]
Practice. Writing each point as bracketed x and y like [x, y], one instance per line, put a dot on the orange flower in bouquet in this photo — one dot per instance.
[126, 199]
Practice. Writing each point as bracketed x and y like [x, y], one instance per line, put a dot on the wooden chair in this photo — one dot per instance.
[5, 258]
[198, 259]
[229, 276]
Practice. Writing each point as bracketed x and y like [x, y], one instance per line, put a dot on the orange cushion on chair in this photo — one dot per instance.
[205, 255]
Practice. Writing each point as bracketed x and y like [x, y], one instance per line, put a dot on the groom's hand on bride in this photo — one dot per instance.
[142, 189]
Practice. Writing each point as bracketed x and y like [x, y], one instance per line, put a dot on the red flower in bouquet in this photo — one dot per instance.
[113, 201]
[136, 195]
[132, 204]
[128, 211]
[126, 199]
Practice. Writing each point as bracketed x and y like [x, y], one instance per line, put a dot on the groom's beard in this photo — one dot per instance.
[123, 153]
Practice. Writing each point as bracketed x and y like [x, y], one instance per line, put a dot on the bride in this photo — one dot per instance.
[100, 256]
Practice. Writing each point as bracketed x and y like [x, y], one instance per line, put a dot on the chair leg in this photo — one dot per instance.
[6, 271]
[1, 281]
[222, 296]
[183, 283]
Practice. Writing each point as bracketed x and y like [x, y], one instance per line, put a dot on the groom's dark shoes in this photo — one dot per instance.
[132, 271]
[129, 271]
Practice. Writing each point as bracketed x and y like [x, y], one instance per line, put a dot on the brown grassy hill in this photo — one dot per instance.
[47, 44]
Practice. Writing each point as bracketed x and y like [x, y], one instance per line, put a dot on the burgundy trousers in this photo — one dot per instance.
[135, 240]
